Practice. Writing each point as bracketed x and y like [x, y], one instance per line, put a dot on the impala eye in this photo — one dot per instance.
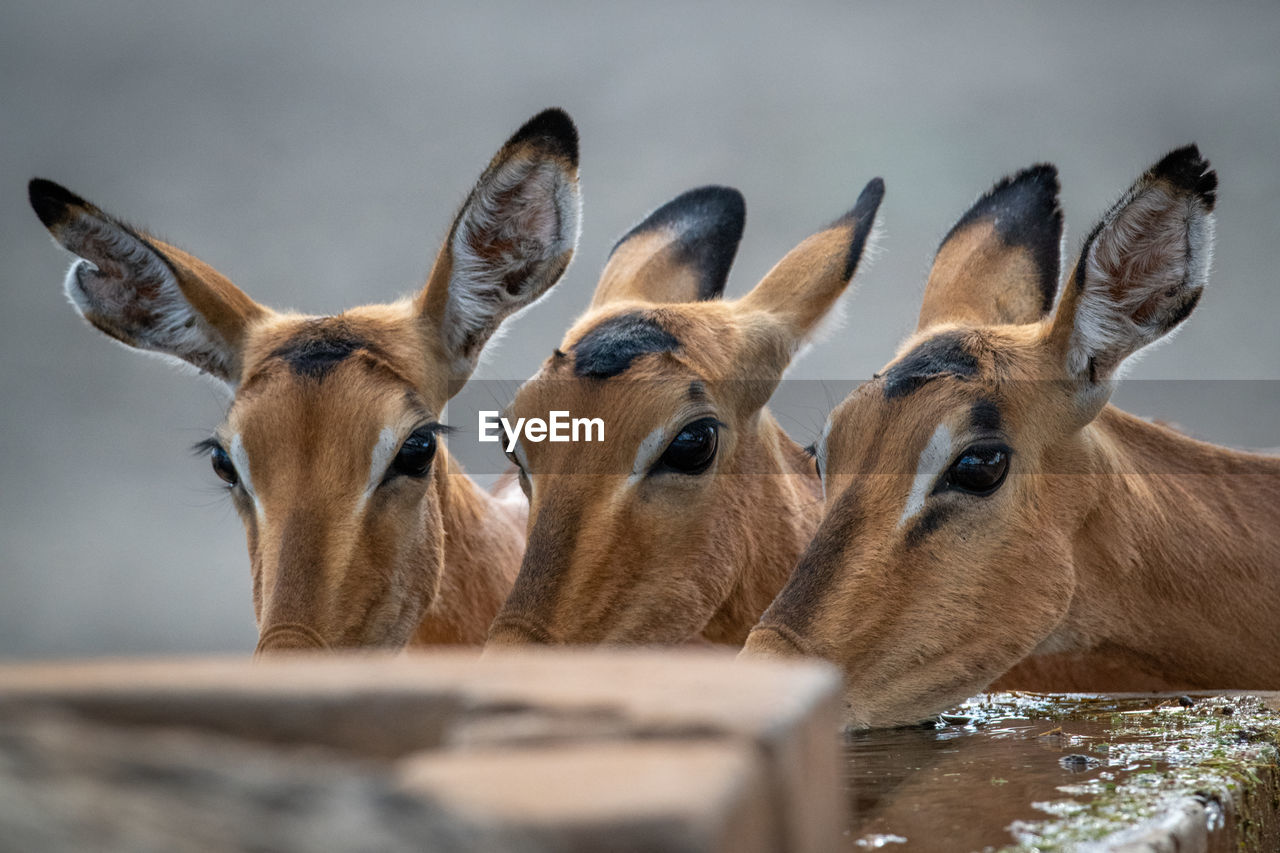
[222, 465]
[415, 455]
[980, 470]
[812, 452]
[692, 451]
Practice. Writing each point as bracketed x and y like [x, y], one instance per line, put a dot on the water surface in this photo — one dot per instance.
[1004, 771]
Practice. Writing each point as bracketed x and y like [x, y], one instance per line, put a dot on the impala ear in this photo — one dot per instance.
[143, 292]
[798, 292]
[681, 252]
[1142, 269]
[1000, 263]
[512, 240]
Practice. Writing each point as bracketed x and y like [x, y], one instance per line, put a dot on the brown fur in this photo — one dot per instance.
[619, 555]
[646, 271]
[345, 553]
[429, 560]
[1117, 554]
[969, 277]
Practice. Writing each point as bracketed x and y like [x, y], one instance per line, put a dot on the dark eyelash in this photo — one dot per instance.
[206, 446]
[718, 424]
[439, 428]
[811, 451]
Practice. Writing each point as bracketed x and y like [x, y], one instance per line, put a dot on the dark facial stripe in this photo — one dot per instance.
[610, 347]
[819, 565]
[320, 346]
[941, 355]
[932, 518]
[985, 416]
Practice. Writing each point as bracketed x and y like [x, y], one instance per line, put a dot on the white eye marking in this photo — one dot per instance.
[820, 454]
[934, 457]
[383, 450]
[650, 449]
[240, 459]
[522, 461]
[523, 477]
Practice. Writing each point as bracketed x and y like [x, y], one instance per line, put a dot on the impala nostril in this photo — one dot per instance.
[290, 636]
[775, 641]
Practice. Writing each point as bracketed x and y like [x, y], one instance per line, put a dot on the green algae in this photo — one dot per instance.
[1217, 749]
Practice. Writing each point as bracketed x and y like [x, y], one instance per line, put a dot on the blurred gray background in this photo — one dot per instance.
[315, 153]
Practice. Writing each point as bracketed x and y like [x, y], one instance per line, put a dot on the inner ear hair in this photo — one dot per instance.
[511, 241]
[1143, 267]
[143, 292]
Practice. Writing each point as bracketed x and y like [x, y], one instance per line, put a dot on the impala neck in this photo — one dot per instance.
[1177, 558]
[483, 543]
[776, 507]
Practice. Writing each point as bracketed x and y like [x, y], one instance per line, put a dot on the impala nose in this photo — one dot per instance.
[773, 641]
[289, 637]
[517, 632]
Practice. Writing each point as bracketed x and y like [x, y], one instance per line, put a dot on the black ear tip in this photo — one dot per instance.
[730, 198]
[708, 223]
[1037, 184]
[864, 209]
[870, 197]
[710, 209]
[1042, 175]
[552, 128]
[50, 201]
[724, 205]
[1040, 172]
[1026, 198]
[861, 218]
[1187, 169]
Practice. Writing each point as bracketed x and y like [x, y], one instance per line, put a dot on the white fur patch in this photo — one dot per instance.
[650, 450]
[240, 459]
[1156, 244]
[820, 454]
[384, 449]
[511, 497]
[522, 460]
[526, 214]
[933, 460]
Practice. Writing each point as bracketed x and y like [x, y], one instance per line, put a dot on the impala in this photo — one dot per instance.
[683, 523]
[984, 504]
[361, 529]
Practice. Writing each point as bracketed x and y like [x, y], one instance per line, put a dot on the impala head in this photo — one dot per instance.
[330, 447]
[951, 479]
[639, 538]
